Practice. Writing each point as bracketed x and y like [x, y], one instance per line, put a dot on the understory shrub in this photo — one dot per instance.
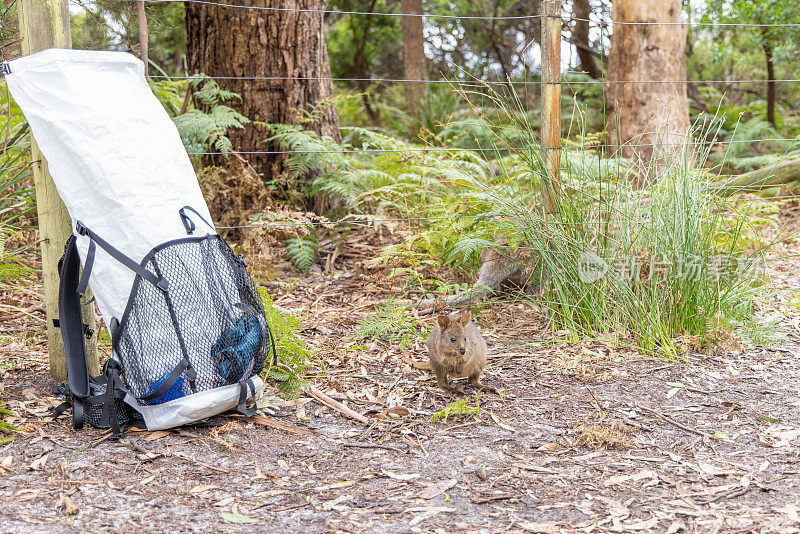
[653, 266]
[295, 355]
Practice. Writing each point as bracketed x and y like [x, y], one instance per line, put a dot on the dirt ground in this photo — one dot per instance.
[585, 436]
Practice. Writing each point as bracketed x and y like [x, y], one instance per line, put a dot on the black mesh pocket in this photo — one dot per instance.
[206, 330]
[93, 410]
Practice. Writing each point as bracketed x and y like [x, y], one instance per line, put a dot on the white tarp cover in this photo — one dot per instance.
[115, 156]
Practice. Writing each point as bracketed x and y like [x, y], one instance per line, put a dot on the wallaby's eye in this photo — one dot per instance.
[465, 339]
[452, 340]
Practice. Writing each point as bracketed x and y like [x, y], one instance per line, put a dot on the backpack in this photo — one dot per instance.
[189, 335]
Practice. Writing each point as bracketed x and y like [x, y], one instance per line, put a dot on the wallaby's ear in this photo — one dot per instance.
[465, 318]
[444, 321]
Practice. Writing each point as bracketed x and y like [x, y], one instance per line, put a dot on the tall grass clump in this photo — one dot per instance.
[645, 264]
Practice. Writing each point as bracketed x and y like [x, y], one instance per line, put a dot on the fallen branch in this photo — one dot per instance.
[325, 400]
[672, 421]
[280, 425]
[27, 311]
[773, 175]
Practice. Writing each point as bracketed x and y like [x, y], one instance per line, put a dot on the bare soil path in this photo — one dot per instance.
[711, 445]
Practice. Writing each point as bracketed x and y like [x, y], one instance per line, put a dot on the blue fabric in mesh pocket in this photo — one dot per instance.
[236, 348]
[174, 392]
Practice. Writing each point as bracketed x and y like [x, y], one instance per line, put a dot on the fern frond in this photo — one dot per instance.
[302, 251]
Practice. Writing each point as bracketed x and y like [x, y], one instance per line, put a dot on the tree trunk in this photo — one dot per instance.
[654, 114]
[770, 78]
[414, 53]
[287, 46]
[580, 38]
[360, 64]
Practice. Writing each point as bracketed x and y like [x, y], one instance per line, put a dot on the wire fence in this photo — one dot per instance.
[601, 22]
[500, 149]
[486, 216]
[564, 16]
[472, 83]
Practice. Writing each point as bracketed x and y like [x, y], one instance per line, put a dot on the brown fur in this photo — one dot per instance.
[446, 355]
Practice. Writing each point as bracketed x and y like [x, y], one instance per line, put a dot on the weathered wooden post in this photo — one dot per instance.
[551, 101]
[45, 24]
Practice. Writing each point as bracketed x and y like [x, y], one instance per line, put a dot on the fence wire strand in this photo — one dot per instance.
[449, 217]
[564, 16]
[474, 83]
[495, 149]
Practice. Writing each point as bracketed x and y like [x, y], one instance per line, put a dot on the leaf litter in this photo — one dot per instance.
[653, 444]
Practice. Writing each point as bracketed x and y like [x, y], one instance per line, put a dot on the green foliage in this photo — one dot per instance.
[648, 265]
[207, 131]
[113, 25]
[6, 429]
[293, 353]
[467, 203]
[16, 194]
[458, 408]
[389, 322]
[302, 251]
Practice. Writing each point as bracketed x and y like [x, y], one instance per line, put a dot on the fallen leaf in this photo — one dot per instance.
[783, 437]
[158, 434]
[791, 513]
[641, 525]
[39, 463]
[224, 502]
[501, 424]
[335, 485]
[544, 528]
[616, 509]
[398, 411]
[401, 476]
[329, 505]
[197, 490]
[147, 480]
[711, 469]
[67, 505]
[427, 513]
[548, 447]
[437, 489]
[620, 479]
[235, 517]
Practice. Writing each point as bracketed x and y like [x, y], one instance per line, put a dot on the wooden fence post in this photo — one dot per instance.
[45, 24]
[551, 101]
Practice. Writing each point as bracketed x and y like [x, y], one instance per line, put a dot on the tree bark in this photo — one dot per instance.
[770, 77]
[580, 38]
[286, 46]
[414, 53]
[656, 113]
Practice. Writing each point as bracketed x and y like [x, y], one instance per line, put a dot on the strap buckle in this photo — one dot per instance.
[81, 228]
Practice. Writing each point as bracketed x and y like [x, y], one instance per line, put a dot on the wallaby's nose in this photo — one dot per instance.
[462, 351]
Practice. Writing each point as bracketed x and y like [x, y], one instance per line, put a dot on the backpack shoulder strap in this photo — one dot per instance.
[72, 329]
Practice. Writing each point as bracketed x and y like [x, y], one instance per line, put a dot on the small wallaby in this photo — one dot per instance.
[456, 348]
